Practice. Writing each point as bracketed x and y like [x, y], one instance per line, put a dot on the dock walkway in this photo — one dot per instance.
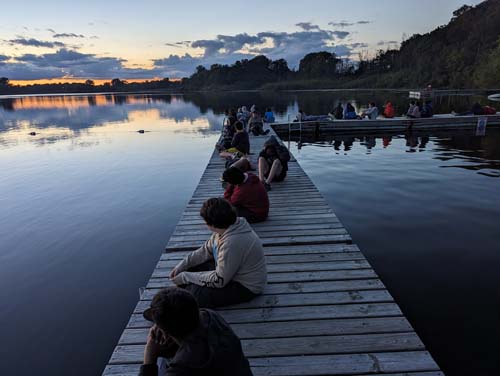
[324, 310]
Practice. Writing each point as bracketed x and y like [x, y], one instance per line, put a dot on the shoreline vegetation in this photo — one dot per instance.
[464, 54]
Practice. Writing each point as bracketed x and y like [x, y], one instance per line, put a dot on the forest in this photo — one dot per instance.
[463, 54]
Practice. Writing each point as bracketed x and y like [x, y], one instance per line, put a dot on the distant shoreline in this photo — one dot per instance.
[166, 92]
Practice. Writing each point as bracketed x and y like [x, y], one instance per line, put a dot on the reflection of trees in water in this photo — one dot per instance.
[481, 154]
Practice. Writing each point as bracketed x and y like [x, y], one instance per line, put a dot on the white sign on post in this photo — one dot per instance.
[481, 126]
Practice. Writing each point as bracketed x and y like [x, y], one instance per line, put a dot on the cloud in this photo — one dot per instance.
[32, 42]
[51, 30]
[387, 42]
[176, 45]
[70, 63]
[68, 35]
[343, 23]
[4, 57]
[307, 26]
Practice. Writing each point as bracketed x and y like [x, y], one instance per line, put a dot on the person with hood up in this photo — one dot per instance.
[273, 162]
[189, 341]
[230, 267]
[247, 194]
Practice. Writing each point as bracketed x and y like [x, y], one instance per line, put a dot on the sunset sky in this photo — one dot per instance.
[145, 39]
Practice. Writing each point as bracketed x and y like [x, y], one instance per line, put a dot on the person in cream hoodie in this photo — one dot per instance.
[230, 267]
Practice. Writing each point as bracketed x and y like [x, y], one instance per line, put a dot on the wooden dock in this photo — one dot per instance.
[324, 310]
[398, 124]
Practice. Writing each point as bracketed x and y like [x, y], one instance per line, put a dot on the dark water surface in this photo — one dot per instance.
[87, 205]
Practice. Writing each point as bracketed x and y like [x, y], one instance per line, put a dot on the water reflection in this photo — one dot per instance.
[78, 112]
[456, 149]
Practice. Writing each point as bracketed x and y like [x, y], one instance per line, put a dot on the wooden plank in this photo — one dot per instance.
[302, 299]
[298, 287]
[311, 345]
[297, 329]
[164, 268]
[406, 363]
[252, 315]
[349, 364]
[315, 276]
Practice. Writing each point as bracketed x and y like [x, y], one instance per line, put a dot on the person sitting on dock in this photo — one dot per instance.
[338, 112]
[247, 194]
[188, 340]
[256, 125]
[228, 132]
[427, 110]
[371, 112]
[230, 267]
[240, 143]
[349, 112]
[389, 110]
[269, 116]
[301, 116]
[414, 110]
[273, 162]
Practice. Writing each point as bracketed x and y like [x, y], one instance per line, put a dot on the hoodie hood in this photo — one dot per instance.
[241, 226]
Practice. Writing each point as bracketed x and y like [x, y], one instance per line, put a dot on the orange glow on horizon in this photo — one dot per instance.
[74, 102]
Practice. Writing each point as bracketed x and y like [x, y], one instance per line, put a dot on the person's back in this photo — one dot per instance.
[269, 116]
[338, 112]
[427, 110]
[241, 141]
[349, 112]
[389, 110]
[247, 194]
[214, 349]
[188, 340]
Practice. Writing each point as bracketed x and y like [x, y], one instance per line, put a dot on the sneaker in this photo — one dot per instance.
[267, 186]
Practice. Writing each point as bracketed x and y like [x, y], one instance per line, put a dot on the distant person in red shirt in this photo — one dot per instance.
[389, 110]
[247, 194]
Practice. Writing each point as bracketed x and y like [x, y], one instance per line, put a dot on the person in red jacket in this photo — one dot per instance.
[388, 110]
[247, 194]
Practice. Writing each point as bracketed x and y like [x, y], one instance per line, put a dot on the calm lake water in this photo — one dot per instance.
[88, 203]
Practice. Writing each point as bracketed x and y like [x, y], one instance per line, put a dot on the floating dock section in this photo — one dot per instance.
[324, 311]
[436, 123]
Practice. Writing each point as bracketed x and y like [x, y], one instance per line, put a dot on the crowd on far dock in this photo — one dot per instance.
[416, 110]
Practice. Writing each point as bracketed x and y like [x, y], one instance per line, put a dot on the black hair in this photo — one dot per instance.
[373, 104]
[233, 175]
[175, 311]
[268, 109]
[218, 213]
[239, 125]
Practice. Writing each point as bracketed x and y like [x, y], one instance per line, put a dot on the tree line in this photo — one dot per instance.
[465, 53]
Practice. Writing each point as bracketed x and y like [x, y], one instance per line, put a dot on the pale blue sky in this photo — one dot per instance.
[132, 35]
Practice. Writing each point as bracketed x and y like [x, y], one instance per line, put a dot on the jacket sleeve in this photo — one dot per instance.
[228, 263]
[228, 193]
[198, 257]
[236, 197]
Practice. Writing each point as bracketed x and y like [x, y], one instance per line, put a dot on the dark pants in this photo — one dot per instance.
[209, 297]
[248, 215]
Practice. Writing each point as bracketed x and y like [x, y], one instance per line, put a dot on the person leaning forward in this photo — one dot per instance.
[230, 267]
[188, 341]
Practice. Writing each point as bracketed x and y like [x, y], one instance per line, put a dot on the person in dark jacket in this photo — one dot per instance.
[240, 143]
[427, 110]
[190, 340]
[247, 194]
[272, 165]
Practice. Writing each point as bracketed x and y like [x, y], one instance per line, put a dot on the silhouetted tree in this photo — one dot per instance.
[4, 81]
[318, 65]
[89, 83]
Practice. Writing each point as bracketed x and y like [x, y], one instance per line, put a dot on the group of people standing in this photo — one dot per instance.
[229, 268]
